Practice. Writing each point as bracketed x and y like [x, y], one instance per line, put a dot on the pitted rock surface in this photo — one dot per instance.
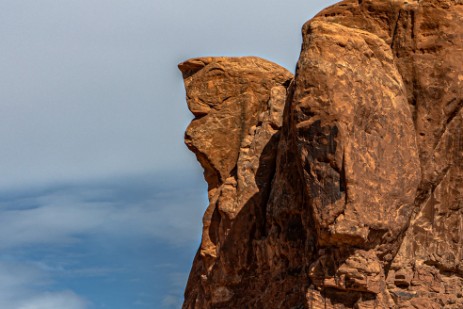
[340, 187]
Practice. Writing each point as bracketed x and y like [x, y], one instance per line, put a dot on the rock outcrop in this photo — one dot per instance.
[340, 187]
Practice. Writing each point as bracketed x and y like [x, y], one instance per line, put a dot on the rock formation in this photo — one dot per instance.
[340, 187]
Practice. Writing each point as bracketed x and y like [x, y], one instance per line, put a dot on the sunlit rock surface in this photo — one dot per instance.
[340, 187]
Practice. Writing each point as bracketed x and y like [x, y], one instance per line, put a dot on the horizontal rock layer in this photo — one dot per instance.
[341, 186]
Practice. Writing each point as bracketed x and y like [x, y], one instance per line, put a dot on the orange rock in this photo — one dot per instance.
[343, 186]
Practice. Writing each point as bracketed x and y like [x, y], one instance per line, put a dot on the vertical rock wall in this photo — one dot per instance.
[341, 187]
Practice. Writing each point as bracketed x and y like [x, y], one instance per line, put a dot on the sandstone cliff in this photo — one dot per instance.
[341, 186]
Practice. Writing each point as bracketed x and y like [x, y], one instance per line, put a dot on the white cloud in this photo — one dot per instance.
[23, 286]
[62, 217]
[66, 299]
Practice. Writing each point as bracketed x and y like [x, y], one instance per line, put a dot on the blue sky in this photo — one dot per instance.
[100, 201]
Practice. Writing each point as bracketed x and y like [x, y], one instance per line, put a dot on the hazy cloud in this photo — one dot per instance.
[23, 286]
[64, 215]
[56, 220]
[55, 300]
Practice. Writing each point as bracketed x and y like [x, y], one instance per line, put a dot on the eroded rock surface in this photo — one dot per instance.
[341, 187]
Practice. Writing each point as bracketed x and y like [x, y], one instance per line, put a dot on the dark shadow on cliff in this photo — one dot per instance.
[275, 219]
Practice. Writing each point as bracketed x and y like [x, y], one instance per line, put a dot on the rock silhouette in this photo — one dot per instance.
[341, 186]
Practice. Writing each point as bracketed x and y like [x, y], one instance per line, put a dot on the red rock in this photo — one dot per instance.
[343, 186]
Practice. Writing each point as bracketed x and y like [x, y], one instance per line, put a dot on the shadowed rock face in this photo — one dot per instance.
[341, 187]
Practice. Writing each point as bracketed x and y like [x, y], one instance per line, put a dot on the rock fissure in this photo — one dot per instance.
[395, 30]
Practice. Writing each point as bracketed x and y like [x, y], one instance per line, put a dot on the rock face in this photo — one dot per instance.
[340, 187]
